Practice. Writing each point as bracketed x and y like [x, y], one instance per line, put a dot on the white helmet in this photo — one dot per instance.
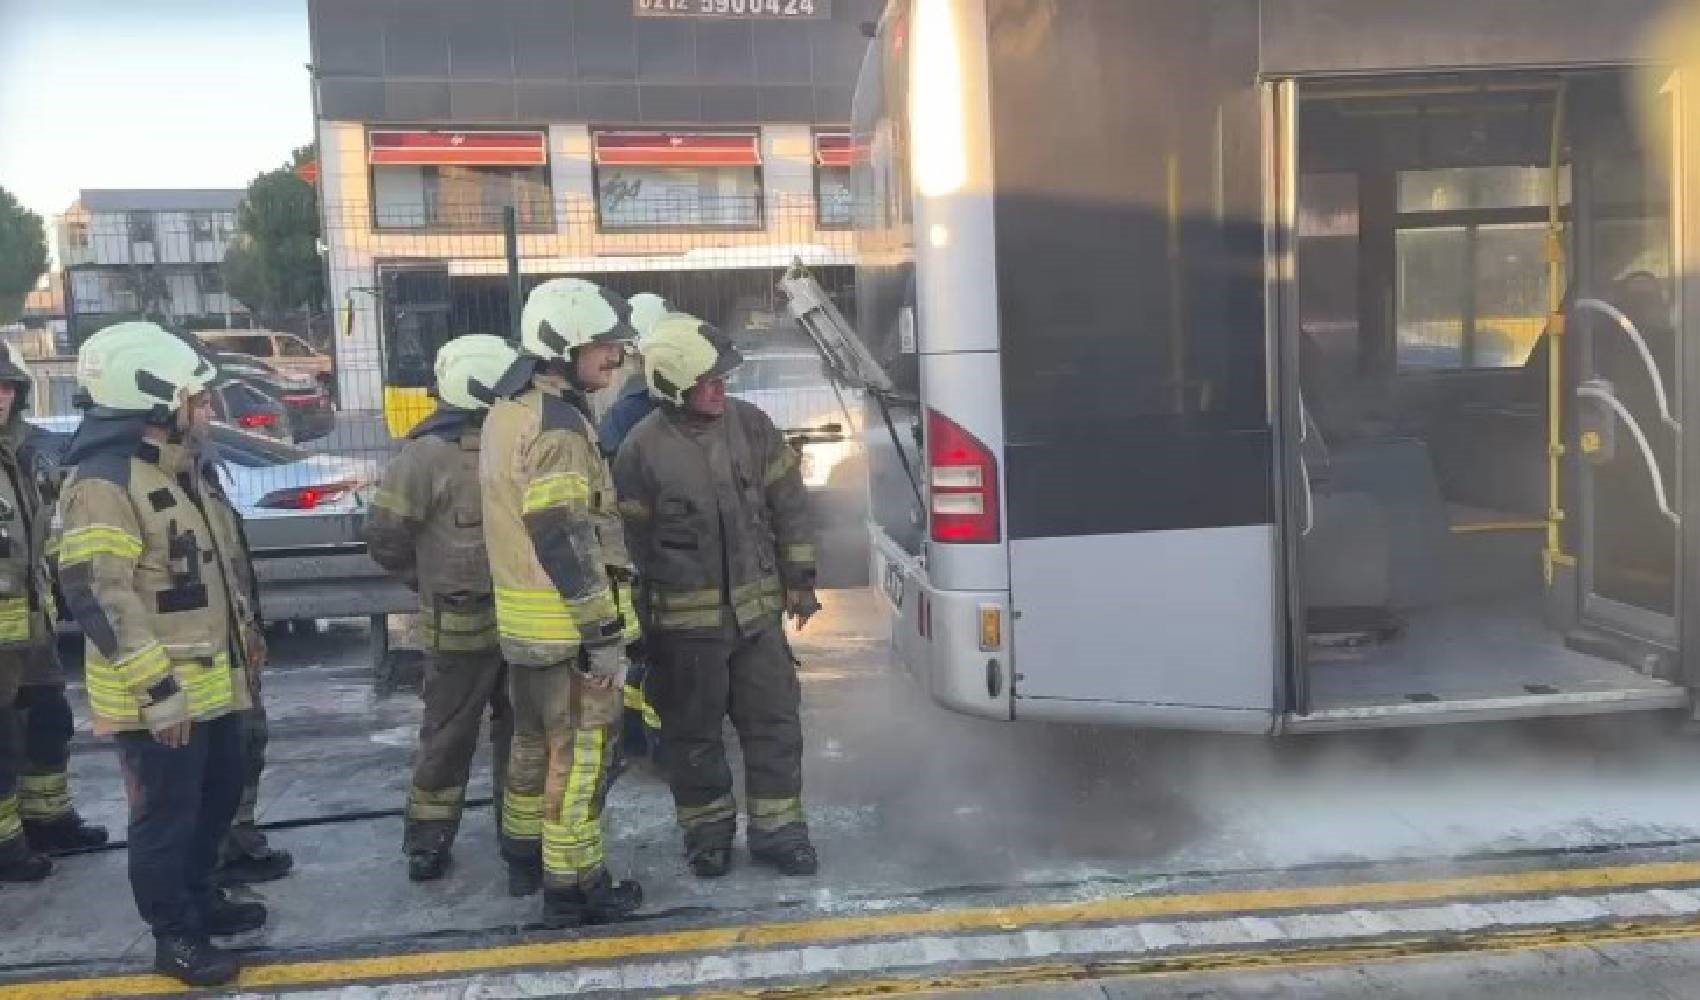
[141, 368]
[567, 313]
[469, 367]
[647, 310]
[682, 351]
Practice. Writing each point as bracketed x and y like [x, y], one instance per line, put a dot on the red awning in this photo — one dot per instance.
[483, 149]
[832, 149]
[678, 149]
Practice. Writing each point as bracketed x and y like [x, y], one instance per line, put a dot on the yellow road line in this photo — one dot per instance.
[1324, 956]
[837, 930]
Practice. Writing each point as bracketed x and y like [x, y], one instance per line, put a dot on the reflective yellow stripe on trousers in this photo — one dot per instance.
[43, 798]
[572, 843]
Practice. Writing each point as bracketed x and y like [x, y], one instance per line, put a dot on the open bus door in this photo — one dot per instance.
[1632, 381]
[415, 323]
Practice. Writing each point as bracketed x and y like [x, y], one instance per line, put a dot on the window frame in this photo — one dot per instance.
[548, 225]
[818, 169]
[759, 225]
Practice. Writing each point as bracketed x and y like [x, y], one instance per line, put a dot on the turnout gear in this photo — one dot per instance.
[427, 527]
[36, 812]
[682, 351]
[717, 519]
[151, 563]
[567, 313]
[563, 594]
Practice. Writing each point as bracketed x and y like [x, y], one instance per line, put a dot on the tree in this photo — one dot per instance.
[23, 255]
[272, 265]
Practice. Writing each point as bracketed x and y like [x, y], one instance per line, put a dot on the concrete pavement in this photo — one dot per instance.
[966, 834]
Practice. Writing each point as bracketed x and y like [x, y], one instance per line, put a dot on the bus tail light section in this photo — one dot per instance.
[963, 477]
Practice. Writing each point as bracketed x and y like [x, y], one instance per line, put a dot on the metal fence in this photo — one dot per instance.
[401, 280]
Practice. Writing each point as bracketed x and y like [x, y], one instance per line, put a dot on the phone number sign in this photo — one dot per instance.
[772, 10]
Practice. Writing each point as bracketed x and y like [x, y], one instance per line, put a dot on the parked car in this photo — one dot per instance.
[792, 387]
[292, 407]
[283, 351]
[302, 514]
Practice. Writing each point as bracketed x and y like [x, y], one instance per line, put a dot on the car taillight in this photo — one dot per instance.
[304, 497]
[257, 419]
[964, 478]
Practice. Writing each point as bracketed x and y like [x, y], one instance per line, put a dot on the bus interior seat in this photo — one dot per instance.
[1344, 553]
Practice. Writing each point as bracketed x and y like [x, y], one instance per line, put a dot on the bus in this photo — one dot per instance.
[1275, 366]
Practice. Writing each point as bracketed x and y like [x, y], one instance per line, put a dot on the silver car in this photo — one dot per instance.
[302, 513]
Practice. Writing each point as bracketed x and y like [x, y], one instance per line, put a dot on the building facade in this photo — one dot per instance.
[689, 148]
[132, 252]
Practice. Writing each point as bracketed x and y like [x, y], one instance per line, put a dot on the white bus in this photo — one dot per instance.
[1283, 365]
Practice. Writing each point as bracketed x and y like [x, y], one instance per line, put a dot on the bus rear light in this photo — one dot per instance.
[991, 628]
[963, 475]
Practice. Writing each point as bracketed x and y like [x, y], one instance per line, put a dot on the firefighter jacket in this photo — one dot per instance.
[27, 610]
[716, 516]
[153, 566]
[551, 524]
[427, 526]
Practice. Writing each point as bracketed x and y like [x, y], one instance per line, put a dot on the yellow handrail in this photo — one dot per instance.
[1554, 554]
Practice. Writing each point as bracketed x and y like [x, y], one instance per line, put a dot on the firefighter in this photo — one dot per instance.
[717, 519]
[36, 814]
[641, 729]
[427, 527]
[145, 565]
[563, 598]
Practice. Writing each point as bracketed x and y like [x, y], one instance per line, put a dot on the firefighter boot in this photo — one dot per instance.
[20, 864]
[603, 901]
[791, 859]
[67, 834]
[249, 859]
[525, 878]
[711, 862]
[194, 961]
[226, 916]
[428, 866]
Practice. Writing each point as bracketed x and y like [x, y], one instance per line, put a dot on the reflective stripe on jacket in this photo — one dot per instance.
[153, 567]
[427, 526]
[716, 516]
[557, 552]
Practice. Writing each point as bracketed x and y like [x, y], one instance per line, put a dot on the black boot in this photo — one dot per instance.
[249, 859]
[427, 866]
[226, 916]
[194, 961]
[792, 859]
[525, 878]
[66, 835]
[20, 864]
[604, 901]
[711, 862]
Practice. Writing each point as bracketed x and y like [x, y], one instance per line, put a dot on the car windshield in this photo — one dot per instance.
[785, 372]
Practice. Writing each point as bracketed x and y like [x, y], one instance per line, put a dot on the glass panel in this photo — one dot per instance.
[293, 348]
[834, 199]
[459, 197]
[679, 197]
[1432, 285]
[1463, 189]
[1510, 294]
[1328, 270]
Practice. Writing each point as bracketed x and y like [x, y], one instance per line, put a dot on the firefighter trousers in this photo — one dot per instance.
[695, 682]
[35, 738]
[565, 733]
[458, 689]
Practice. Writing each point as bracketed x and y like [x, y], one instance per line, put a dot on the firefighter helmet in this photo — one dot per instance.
[682, 351]
[567, 313]
[469, 367]
[647, 310]
[141, 368]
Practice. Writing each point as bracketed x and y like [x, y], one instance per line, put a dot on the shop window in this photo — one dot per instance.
[834, 198]
[678, 180]
[459, 180]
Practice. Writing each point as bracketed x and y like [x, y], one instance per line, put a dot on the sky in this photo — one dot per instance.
[148, 93]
